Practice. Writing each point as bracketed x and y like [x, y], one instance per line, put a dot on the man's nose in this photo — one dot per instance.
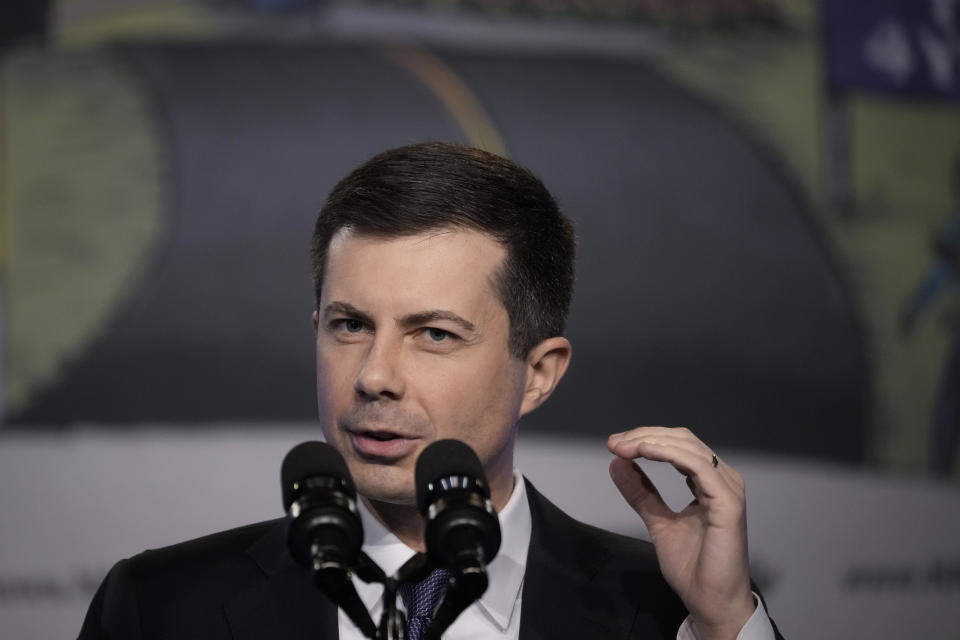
[380, 376]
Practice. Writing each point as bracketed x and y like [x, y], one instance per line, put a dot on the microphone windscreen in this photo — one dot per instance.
[445, 458]
[308, 459]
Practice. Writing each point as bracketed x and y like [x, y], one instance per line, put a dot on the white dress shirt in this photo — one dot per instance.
[497, 613]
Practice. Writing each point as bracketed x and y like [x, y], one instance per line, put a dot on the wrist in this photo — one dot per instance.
[728, 627]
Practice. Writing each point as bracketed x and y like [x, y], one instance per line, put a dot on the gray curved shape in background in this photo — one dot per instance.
[704, 296]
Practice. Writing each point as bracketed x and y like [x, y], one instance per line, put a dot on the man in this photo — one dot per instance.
[443, 275]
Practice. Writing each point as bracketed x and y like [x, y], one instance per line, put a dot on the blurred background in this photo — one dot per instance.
[767, 198]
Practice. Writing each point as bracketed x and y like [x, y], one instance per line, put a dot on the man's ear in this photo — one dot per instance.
[316, 321]
[546, 364]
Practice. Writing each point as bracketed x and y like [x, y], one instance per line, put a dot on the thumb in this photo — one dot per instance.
[639, 492]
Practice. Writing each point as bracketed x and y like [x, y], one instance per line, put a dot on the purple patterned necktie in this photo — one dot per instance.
[421, 599]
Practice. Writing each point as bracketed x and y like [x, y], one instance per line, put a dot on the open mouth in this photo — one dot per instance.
[381, 445]
[381, 436]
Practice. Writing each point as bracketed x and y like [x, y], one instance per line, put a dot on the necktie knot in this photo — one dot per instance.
[421, 598]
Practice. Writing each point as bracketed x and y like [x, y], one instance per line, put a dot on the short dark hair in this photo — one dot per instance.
[436, 185]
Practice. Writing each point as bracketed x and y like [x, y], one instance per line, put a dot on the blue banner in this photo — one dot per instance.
[907, 47]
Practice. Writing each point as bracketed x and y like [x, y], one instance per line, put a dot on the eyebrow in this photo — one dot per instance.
[347, 309]
[409, 320]
[425, 317]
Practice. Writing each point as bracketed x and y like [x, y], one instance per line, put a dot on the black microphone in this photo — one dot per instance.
[462, 530]
[324, 533]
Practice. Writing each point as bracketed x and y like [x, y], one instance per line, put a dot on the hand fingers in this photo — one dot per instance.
[639, 492]
[630, 443]
[679, 436]
[633, 444]
[708, 483]
[625, 447]
[650, 430]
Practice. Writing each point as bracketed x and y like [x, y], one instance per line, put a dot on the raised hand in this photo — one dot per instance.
[702, 549]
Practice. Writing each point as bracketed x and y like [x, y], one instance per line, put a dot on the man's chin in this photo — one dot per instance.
[390, 485]
[394, 500]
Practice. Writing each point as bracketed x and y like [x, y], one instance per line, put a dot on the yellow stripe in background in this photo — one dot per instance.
[455, 95]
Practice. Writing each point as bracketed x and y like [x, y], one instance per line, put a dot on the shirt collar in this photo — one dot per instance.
[505, 573]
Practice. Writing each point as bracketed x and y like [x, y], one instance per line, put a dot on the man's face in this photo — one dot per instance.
[412, 347]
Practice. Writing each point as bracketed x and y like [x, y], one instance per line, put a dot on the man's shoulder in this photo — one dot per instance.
[209, 587]
[227, 542]
[206, 569]
[209, 553]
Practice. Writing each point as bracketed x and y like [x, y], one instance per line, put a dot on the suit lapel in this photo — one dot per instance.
[561, 596]
[285, 604]
[582, 582]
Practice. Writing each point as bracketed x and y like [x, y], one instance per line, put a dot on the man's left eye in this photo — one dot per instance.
[438, 335]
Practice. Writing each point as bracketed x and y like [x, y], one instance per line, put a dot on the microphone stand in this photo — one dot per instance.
[393, 622]
[468, 583]
[466, 586]
[332, 577]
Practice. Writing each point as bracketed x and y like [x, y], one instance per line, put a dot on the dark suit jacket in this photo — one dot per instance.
[581, 582]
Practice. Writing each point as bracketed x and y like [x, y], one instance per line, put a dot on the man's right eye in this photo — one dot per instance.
[351, 325]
